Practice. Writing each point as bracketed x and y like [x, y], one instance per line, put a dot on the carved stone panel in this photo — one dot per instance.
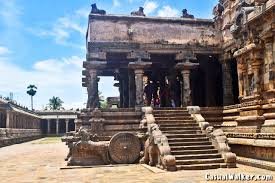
[124, 148]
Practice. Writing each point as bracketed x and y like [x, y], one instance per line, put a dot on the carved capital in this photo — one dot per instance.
[139, 65]
[96, 55]
[186, 66]
[139, 55]
[185, 56]
[94, 64]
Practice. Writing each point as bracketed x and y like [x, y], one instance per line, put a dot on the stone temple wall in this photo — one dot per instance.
[150, 30]
[9, 136]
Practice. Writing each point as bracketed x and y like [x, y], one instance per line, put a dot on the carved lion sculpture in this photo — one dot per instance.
[151, 153]
[97, 11]
[139, 12]
[157, 150]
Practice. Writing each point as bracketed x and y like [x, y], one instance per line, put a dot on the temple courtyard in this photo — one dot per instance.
[43, 161]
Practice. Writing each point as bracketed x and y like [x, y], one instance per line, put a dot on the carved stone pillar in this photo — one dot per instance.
[139, 67]
[49, 126]
[132, 89]
[139, 87]
[67, 125]
[93, 98]
[185, 69]
[8, 119]
[186, 88]
[57, 126]
[227, 84]
[257, 80]
[125, 89]
[92, 70]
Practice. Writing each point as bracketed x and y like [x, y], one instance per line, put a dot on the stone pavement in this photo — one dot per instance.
[41, 160]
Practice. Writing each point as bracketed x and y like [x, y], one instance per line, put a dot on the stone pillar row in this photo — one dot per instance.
[57, 126]
[15, 120]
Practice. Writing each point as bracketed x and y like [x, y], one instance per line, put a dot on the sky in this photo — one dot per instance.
[42, 42]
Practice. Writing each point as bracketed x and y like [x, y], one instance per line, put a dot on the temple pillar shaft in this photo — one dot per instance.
[125, 90]
[93, 98]
[67, 125]
[131, 89]
[227, 84]
[57, 126]
[257, 88]
[49, 126]
[186, 88]
[139, 87]
[8, 119]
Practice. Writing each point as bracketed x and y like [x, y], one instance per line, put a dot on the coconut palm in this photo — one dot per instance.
[31, 90]
[55, 103]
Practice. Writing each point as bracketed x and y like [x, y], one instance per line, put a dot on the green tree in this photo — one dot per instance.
[55, 103]
[102, 101]
[31, 90]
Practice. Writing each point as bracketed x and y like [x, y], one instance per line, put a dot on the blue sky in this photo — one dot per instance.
[42, 42]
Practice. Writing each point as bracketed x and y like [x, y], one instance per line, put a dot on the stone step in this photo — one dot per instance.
[197, 139]
[176, 121]
[186, 144]
[180, 128]
[177, 124]
[171, 114]
[115, 121]
[191, 152]
[201, 166]
[173, 117]
[199, 161]
[171, 110]
[182, 132]
[192, 148]
[197, 156]
[169, 135]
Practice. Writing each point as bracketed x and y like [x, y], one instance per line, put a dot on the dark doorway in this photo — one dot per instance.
[206, 82]
[235, 84]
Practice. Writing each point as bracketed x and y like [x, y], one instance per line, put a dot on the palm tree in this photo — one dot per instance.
[31, 90]
[55, 103]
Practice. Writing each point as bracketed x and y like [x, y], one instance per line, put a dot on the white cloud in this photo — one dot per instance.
[150, 7]
[167, 11]
[4, 51]
[63, 29]
[53, 77]
[9, 13]
[116, 3]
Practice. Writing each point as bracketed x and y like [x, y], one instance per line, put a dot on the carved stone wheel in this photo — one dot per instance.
[124, 148]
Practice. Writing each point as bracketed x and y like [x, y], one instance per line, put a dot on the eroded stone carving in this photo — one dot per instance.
[86, 152]
[124, 148]
[185, 14]
[140, 12]
[95, 10]
[220, 141]
[157, 151]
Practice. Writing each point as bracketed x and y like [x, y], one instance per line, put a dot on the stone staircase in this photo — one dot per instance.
[191, 147]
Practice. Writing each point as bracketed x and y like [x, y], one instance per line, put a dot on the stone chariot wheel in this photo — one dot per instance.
[124, 148]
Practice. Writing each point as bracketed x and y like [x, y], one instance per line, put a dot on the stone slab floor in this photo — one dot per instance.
[41, 160]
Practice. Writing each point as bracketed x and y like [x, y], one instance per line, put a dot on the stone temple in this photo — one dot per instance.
[194, 93]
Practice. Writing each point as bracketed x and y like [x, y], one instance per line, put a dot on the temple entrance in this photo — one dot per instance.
[206, 82]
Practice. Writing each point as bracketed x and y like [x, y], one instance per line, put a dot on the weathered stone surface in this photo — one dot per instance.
[114, 28]
[124, 148]
[86, 152]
